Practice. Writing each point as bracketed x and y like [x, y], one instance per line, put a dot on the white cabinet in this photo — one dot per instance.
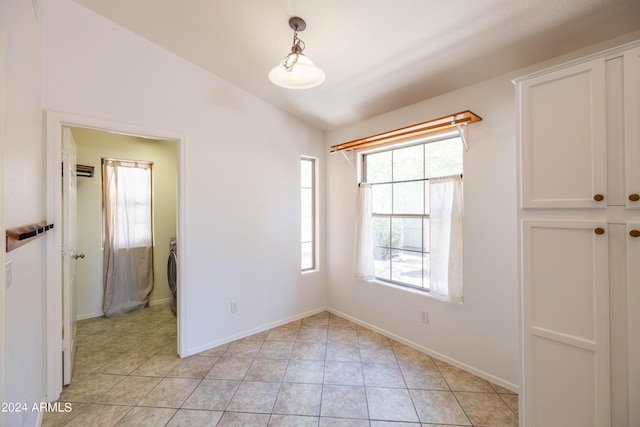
[566, 322]
[632, 126]
[562, 138]
[579, 172]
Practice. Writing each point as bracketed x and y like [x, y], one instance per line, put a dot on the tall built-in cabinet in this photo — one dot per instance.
[579, 241]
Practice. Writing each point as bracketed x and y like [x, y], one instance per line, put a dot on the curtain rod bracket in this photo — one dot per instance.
[463, 137]
[347, 157]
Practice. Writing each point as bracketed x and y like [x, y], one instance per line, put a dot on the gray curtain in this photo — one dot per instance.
[127, 235]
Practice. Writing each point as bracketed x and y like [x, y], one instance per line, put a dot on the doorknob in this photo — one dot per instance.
[634, 197]
[634, 233]
[78, 256]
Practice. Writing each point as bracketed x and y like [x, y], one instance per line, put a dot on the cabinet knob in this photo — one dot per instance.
[599, 231]
[634, 197]
[634, 233]
[598, 197]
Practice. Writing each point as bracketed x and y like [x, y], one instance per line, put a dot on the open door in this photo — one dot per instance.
[69, 256]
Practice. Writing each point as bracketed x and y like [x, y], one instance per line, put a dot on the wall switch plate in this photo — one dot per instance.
[234, 307]
[8, 273]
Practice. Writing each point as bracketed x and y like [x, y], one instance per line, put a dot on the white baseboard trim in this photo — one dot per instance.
[254, 331]
[89, 315]
[160, 301]
[454, 362]
[471, 369]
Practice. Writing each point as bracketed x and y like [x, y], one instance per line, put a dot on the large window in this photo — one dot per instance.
[307, 213]
[402, 205]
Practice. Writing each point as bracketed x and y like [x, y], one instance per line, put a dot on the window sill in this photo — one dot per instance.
[416, 291]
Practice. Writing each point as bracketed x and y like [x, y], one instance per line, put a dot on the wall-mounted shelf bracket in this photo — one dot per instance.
[348, 156]
[462, 130]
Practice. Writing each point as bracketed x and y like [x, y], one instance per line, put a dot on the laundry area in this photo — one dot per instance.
[159, 286]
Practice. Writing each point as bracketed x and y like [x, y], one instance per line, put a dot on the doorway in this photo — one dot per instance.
[93, 131]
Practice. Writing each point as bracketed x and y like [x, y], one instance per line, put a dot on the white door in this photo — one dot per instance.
[566, 323]
[633, 321]
[69, 255]
[563, 138]
[632, 126]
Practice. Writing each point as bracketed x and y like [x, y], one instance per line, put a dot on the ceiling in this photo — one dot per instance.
[378, 55]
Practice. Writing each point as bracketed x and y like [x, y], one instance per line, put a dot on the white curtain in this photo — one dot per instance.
[127, 235]
[446, 238]
[364, 234]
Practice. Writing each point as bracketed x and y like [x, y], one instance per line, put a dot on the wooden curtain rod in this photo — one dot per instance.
[403, 134]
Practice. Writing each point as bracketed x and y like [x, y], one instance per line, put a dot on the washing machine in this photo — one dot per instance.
[172, 274]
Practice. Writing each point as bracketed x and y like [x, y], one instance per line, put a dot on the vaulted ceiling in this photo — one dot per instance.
[378, 55]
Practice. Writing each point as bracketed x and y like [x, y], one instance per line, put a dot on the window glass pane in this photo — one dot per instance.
[378, 167]
[408, 163]
[307, 255]
[306, 217]
[307, 213]
[382, 263]
[381, 231]
[408, 198]
[443, 158]
[407, 267]
[381, 198]
[407, 233]
[306, 173]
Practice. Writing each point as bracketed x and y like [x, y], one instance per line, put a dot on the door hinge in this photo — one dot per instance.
[65, 345]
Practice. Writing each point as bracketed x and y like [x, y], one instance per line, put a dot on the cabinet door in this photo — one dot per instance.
[562, 138]
[565, 307]
[632, 127]
[633, 320]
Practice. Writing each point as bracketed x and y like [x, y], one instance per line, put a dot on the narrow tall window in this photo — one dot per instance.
[308, 213]
[407, 205]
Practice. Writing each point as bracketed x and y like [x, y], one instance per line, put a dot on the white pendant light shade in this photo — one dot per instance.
[303, 75]
[296, 71]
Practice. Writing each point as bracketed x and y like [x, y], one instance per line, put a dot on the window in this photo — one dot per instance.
[402, 204]
[308, 213]
[127, 203]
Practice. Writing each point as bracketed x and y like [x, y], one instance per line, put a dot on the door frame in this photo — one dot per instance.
[55, 121]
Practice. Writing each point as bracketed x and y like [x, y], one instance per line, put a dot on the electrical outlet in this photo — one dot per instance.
[424, 316]
[234, 307]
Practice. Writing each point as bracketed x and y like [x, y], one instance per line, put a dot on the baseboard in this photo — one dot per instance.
[214, 344]
[444, 358]
[89, 315]
[160, 301]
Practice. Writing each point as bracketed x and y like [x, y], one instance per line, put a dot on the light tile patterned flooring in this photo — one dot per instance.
[320, 371]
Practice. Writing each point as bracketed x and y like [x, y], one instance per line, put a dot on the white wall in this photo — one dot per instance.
[480, 334]
[23, 203]
[92, 146]
[241, 170]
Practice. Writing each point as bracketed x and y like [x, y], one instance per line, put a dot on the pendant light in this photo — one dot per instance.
[296, 70]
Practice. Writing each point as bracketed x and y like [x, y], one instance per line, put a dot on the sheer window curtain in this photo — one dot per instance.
[446, 238]
[364, 234]
[127, 235]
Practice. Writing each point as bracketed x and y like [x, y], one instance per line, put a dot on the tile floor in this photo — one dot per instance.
[320, 371]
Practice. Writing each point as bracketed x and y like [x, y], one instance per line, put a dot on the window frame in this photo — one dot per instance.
[314, 216]
[449, 135]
